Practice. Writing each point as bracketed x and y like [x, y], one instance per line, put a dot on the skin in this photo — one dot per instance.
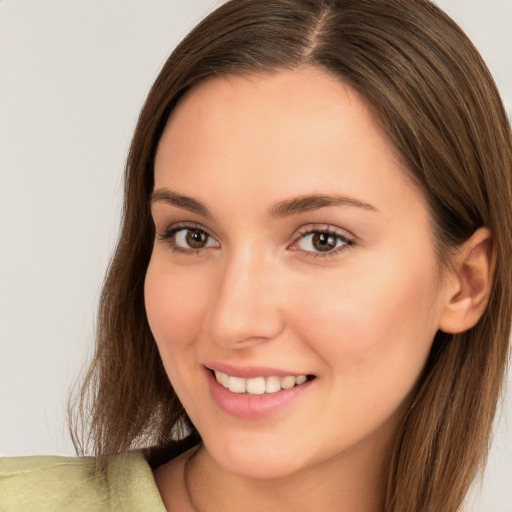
[360, 318]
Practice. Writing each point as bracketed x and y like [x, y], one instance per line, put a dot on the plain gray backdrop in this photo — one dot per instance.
[73, 76]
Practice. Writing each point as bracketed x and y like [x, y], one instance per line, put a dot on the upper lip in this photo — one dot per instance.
[247, 372]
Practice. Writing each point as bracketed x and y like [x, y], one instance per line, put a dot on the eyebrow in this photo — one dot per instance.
[179, 201]
[284, 208]
[315, 202]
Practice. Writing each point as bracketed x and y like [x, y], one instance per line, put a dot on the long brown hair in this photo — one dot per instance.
[435, 98]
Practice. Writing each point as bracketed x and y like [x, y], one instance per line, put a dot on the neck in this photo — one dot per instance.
[347, 482]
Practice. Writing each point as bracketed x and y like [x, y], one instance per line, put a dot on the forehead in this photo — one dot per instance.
[287, 89]
[281, 134]
[307, 100]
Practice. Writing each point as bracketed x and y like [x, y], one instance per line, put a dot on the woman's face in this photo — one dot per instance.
[290, 245]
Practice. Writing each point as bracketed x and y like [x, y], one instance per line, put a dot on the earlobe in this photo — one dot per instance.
[473, 268]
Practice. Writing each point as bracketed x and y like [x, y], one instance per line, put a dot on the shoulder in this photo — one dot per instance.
[78, 484]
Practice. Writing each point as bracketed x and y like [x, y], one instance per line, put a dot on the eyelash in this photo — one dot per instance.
[347, 242]
[169, 237]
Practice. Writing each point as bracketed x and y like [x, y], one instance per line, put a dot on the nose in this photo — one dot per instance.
[247, 307]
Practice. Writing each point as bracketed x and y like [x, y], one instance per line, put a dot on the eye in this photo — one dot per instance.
[321, 242]
[192, 239]
[188, 239]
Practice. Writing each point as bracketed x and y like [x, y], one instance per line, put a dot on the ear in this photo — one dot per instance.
[470, 284]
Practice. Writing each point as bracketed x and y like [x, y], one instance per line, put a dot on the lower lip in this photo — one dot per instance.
[248, 406]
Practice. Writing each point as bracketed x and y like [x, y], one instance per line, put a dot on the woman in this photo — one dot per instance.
[310, 303]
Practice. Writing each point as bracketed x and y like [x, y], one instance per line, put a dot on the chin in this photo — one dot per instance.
[259, 461]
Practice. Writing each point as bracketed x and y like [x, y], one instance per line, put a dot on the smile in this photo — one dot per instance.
[258, 385]
[258, 393]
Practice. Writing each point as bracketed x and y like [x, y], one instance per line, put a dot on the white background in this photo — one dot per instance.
[73, 76]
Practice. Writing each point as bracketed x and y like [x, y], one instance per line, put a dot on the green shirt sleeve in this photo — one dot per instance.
[66, 484]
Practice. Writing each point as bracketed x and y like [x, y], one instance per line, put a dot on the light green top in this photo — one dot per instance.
[66, 484]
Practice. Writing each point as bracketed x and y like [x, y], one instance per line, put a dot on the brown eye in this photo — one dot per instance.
[324, 241]
[190, 239]
[196, 239]
[318, 242]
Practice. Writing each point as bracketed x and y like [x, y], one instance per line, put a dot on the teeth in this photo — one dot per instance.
[255, 386]
[300, 379]
[236, 385]
[272, 384]
[222, 378]
[287, 382]
[258, 385]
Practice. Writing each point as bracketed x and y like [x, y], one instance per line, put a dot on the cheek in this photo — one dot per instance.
[174, 303]
[175, 300]
[375, 324]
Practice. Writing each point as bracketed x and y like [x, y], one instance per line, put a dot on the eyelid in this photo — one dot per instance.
[168, 236]
[188, 224]
[348, 239]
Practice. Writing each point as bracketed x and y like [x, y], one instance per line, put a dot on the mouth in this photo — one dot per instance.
[260, 385]
[256, 393]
